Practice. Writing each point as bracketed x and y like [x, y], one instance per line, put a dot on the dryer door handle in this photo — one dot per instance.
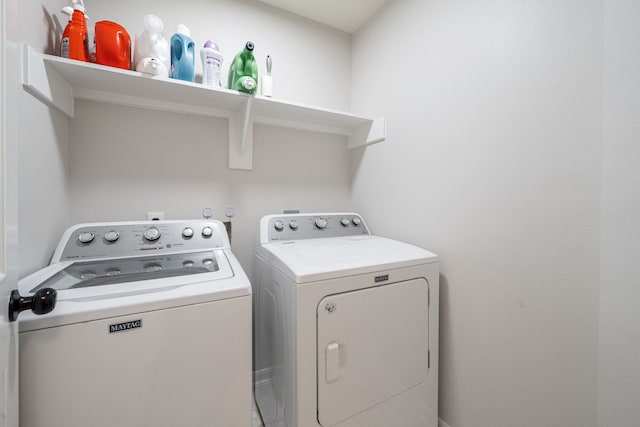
[332, 359]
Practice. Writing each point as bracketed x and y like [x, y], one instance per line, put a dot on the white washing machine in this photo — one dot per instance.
[152, 327]
[346, 325]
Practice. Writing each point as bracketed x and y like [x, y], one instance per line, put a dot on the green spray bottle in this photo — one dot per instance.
[243, 73]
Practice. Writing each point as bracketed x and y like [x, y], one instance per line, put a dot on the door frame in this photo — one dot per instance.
[9, 81]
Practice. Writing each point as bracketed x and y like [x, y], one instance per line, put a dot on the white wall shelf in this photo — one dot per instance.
[58, 82]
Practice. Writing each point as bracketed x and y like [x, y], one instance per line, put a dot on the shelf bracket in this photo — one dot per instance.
[241, 138]
[368, 134]
[45, 83]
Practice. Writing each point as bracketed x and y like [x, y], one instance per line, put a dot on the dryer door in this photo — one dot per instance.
[372, 345]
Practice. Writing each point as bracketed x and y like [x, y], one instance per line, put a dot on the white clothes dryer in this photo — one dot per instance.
[346, 325]
[152, 327]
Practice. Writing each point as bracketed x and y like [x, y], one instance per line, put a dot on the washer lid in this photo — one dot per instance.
[320, 259]
[218, 277]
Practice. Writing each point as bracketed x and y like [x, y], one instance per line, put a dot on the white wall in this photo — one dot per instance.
[125, 162]
[619, 374]
[493, 161]
[43, 134]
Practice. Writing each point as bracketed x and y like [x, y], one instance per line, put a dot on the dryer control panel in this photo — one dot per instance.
[311, 226]
[122, 239]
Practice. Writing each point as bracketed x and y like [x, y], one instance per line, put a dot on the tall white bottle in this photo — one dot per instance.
[211, 64]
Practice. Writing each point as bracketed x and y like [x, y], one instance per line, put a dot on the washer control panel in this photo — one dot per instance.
[122, 239]
[312, 226]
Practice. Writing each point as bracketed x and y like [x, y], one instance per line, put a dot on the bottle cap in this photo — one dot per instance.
[249, 46]
[212, 45]
[78, 5]
[183, 29]
[153, 23]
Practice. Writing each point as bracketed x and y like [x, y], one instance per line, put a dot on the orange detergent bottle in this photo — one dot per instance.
[74, 43]
[113, 45]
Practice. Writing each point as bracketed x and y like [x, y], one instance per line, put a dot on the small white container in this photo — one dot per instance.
[267, 86]
[266, 83]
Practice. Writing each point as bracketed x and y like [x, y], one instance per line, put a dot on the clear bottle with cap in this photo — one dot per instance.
[183, 55]
[211, 64]
[152, 53]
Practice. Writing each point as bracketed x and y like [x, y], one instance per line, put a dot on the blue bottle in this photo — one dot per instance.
[183, 59]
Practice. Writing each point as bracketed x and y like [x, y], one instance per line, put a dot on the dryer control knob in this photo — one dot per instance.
[86, 237]
[321, 223]
[112, 236]
[345, 222]
[207, 232]
[151, 234]
[278, 225]
[293, 224]
[356, 221]
[187, 233]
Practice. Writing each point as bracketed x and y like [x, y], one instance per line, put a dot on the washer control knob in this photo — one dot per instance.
[151, 234]
[113, 271]
[152, 267]
[112, 236]
[187, 233]
[188, 264]
[321, 223]
[207, 232]
[293, 224]
[86, 237]
[345, 222]
[87, 274]
[356, 221]
[278, 225]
